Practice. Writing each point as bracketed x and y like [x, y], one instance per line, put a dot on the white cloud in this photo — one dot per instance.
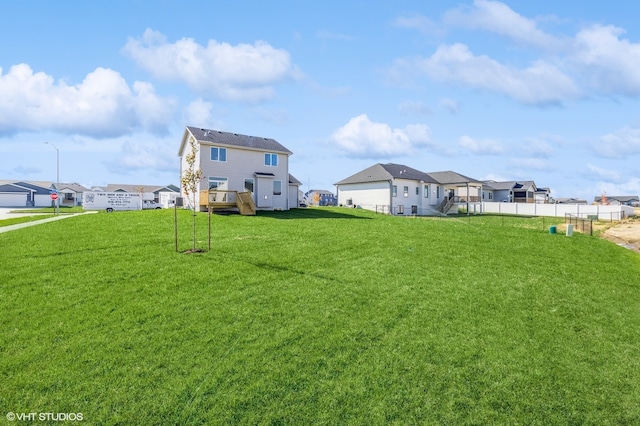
[596, 60]
[607, 63]
[499, 18]
[623, 143]
[199, 113]
[361, 137]
[245, 72]
[102, 105]
[148, 155]
[541, 83]
[480, 146]
[629, 187]
[608, 175]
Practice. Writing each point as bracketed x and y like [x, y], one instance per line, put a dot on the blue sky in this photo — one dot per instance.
[514, 90]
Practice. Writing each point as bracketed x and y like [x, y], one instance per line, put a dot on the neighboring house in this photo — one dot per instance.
[617, 200]
[232, 164]
[26, 193]
[461, 189]
[14, 195]
[514, 192]
[160, 193]
[320, 197]
[38, 193]
[569, 201]
[391, 188]
[294, 192]
[71, 194]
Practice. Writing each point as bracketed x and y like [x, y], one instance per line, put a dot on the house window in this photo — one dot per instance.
[426, 191]
[218, 154]
[400, 209]
[68, 196]
[271, 160]
[248, 185]
[405, 191]
[417, 190]
[414, 210]
[394, 191]
[491, 195]
[437, 192]
[217, 182]
[277, 187]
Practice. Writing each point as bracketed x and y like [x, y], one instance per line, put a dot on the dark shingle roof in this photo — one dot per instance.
[620, 198]
[235, 139]
[293, 180]
[385, 172]
[509, 184]
[449, 177]
[117, 187]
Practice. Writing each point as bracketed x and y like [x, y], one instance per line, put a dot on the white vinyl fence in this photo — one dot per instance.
[556, 210]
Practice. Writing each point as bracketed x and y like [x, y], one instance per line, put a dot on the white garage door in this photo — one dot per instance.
[43, 200]
[13, 200]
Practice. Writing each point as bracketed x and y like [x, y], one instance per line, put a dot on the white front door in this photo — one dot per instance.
[264, 193]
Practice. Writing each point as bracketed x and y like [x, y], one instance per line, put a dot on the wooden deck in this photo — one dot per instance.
[218, 199]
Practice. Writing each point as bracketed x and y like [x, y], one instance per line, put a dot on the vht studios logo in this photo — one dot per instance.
[43, 417]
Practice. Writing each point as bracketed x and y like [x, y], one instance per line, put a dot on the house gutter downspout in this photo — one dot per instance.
[391, 197]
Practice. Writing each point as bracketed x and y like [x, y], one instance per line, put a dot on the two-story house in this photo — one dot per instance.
[232, 164]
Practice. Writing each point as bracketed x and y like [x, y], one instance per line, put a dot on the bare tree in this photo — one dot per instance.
[190, 181]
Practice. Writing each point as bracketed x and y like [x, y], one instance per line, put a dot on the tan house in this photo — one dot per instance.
[239, 171]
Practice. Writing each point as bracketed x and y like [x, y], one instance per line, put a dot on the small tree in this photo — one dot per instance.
[190, 181]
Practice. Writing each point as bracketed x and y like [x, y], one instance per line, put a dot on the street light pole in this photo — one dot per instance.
[57, 176]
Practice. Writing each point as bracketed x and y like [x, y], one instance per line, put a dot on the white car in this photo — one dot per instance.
[149, 204]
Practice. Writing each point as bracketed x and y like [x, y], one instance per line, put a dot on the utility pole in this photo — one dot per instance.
[57, 176]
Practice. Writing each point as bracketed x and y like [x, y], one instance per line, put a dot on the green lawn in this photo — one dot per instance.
[23, 219]
[318, 316]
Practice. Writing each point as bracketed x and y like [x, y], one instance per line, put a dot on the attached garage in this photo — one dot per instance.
[13, 199]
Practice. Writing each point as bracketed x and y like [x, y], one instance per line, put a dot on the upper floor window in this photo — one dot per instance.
[271, 160]
[218, 154]
[426, 191]
[394, 191]
[406, 191]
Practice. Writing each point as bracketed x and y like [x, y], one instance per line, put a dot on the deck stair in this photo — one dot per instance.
[246, 206]
[445, 205]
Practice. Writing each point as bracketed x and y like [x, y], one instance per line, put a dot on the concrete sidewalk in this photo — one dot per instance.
[38, 222]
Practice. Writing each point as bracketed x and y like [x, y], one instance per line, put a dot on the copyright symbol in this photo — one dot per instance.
[11, 417]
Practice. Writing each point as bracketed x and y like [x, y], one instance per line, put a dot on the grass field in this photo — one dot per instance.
[23, 219]
[318, 316]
